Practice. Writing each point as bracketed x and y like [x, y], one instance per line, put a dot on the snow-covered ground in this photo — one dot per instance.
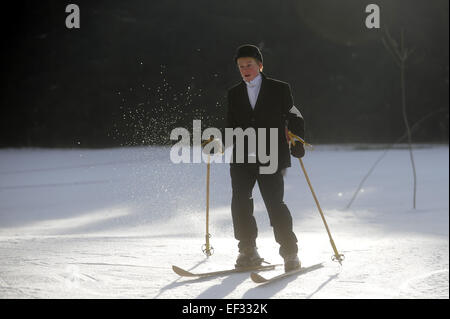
[110, 223]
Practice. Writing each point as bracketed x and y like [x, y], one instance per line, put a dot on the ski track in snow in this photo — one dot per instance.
[110, 223]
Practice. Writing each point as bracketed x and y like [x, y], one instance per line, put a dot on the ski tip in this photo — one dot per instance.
[181, 272]
[257, 278]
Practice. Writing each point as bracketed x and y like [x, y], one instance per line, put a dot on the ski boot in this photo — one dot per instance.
[291, 262]
[248, 257]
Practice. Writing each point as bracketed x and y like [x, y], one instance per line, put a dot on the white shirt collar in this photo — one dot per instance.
[255, 82]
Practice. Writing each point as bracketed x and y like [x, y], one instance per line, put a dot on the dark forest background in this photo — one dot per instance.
[137, 69]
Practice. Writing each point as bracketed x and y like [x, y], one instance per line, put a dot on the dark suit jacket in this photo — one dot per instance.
[273, 109]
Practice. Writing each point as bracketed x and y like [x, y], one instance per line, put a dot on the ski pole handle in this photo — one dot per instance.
[294, 137]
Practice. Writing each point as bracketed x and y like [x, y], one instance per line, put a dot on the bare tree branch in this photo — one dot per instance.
[394, 57]
[413, 129]
[402, 56]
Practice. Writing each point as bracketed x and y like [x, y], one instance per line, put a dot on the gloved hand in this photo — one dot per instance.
[297, 150]
[212, 146]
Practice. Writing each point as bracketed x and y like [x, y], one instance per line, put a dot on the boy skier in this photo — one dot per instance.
[261, 102]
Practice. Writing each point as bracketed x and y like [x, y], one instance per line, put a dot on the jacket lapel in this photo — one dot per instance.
[244, 97]
[260, 97]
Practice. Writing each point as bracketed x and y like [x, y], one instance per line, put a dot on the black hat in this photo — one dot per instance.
[248, 50]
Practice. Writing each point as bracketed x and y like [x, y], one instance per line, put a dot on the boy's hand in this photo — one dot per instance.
[297, 150]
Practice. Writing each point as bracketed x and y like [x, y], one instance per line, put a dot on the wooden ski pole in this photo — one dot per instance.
[207, 248]
[337, 257]
[208, 251]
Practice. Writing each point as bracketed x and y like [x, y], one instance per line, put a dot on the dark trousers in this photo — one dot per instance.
[243, 179]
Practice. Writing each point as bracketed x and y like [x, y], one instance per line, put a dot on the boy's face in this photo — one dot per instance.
[249, 68]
